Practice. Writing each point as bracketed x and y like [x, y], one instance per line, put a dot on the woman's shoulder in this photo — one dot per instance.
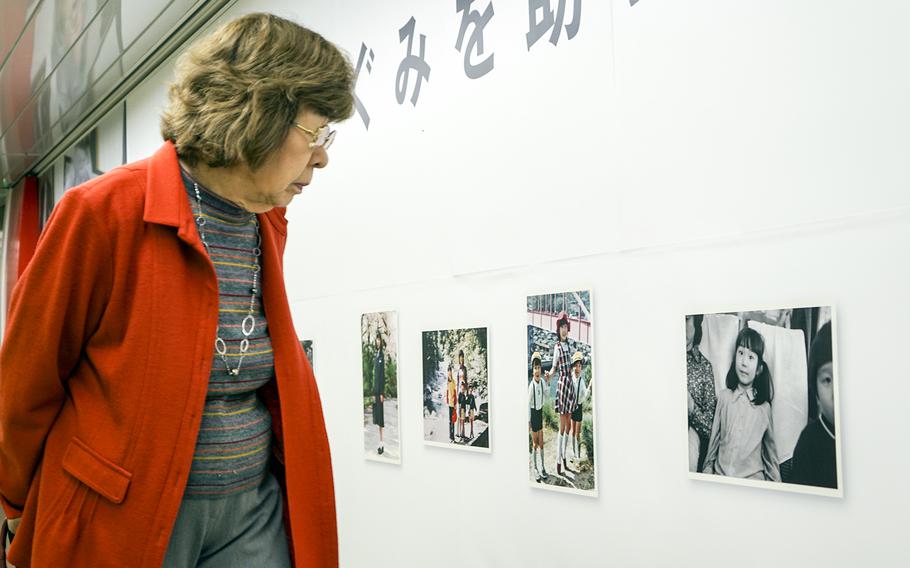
[111, 190]
[107, 203]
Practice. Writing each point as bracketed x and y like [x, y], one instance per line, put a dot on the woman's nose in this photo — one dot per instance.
[319, 158]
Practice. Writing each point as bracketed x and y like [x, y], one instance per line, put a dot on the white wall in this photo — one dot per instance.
[706, 156]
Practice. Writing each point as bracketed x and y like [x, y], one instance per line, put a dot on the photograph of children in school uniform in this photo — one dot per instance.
[560, 390]
[456, 389]
[762, 399]
[379, 359]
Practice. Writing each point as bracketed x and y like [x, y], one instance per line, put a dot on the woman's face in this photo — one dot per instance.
[563, 331]
[690, 332]
[825, 391]
[747, 363]
[286, 172]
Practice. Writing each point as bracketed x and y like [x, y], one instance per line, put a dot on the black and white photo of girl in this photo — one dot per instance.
[761, 398]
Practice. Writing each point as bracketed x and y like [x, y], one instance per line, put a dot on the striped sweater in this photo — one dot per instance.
[234, 443]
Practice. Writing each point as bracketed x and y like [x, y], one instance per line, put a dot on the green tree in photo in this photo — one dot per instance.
[391, 378]
[370, 326]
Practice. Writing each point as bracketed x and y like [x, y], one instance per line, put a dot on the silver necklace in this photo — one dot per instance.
[249, 322]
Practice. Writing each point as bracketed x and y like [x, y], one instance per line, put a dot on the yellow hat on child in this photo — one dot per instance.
[577, 357]
[535, 357]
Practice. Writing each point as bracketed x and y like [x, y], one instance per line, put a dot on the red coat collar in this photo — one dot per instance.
[165, 200]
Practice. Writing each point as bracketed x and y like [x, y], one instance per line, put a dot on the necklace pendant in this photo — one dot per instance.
[248, 325]
[234, 372]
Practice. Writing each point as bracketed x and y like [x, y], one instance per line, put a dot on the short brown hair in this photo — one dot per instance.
[239, 89]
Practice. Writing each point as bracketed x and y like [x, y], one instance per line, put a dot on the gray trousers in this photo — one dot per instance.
[237, 531]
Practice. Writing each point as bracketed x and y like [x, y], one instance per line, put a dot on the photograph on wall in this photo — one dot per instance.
[102, 149]
[80, 163]
[456, 389]
[307, 345]
[379, 361]
[762, 399]
[560, 391]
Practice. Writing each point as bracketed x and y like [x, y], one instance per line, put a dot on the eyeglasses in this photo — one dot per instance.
[324, 136]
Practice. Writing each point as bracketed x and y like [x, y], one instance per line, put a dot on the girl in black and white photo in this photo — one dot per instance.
[742, 437]
[815, 456]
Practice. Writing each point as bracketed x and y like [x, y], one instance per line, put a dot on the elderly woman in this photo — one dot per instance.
[155, 405]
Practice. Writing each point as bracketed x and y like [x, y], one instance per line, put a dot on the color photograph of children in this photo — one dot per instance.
[456, 389]
[762, 399]
[560, 387]
[379, 359]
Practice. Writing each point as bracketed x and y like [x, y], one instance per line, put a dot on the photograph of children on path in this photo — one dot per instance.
[761, 396]
[560, 393]
[456, 387]
[379, 358]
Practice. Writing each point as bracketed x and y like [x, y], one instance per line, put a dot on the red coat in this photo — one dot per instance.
[104, 371]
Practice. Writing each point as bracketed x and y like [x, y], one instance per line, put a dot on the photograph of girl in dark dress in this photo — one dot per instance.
[379, 358]
[378, 390]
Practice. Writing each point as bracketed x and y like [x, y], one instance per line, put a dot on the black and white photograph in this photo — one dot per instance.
[560, 392]
[456, 389]
[307, 345]
[80, 163]
[379, 362]
[762, 399]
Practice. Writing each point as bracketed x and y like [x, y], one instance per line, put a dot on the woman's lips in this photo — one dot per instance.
[299, 187]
